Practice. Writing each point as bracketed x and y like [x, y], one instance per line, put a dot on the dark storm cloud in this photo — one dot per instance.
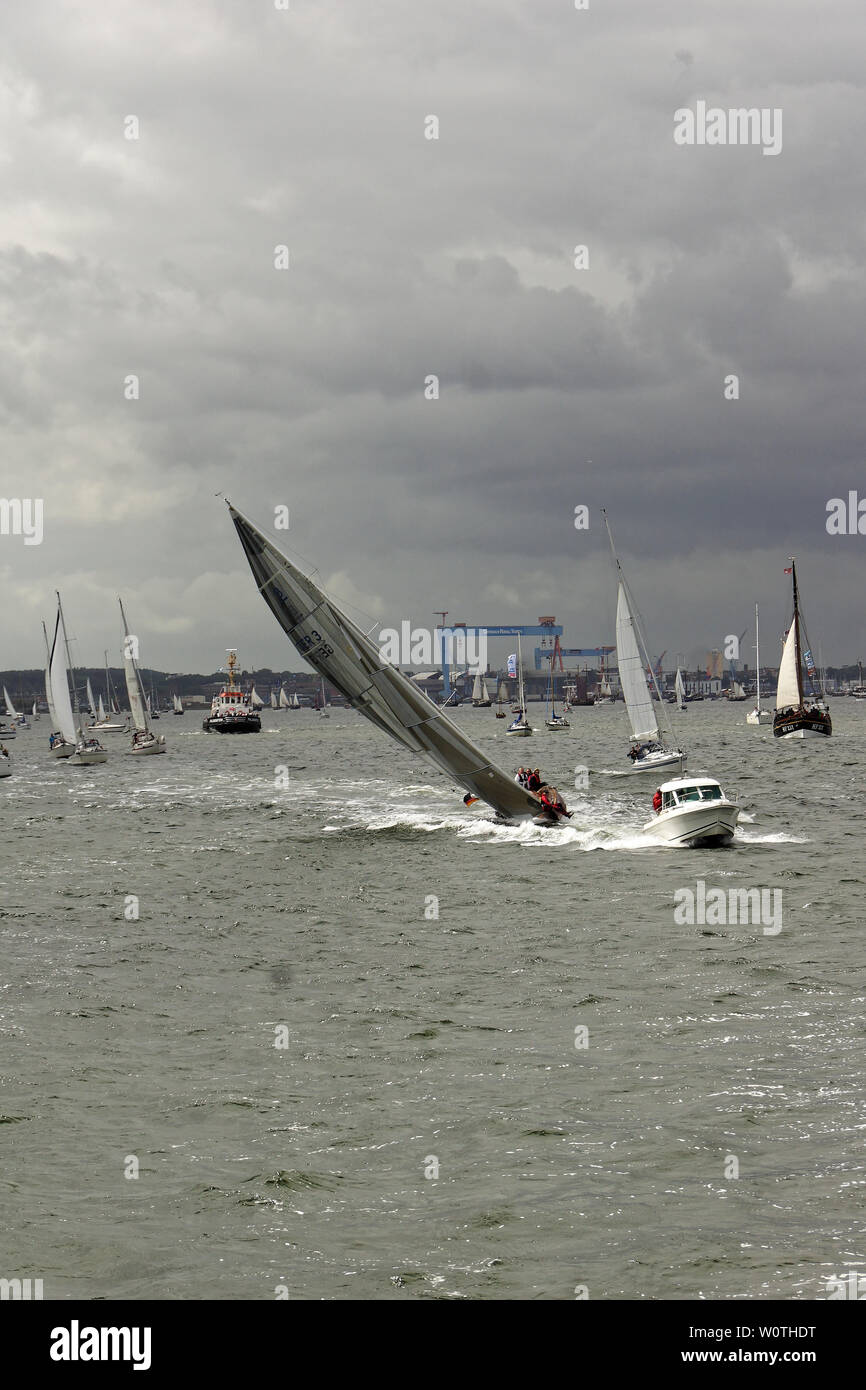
[409, 258]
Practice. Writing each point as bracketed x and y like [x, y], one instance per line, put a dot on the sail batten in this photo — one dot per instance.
[343, 655]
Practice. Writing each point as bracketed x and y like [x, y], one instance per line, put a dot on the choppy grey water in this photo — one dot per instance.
[416, 1042]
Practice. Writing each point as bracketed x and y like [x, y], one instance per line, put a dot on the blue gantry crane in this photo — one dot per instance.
[545, 627]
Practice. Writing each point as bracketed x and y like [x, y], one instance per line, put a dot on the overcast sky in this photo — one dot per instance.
[409, 257]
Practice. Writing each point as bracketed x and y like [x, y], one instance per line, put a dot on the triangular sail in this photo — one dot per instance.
[680, 689]
[59, 686]
[284, 703]
[341, 653]
[100, 711]
[133, 681]
[10, 708]
[788, 690]
[91, 702]
[255, 699]
[476, 687]
[274, 704]
[638, 699]
[49, 698]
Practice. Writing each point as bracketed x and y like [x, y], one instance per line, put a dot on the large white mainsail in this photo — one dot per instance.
[788, 689]
[10, 708]
[349, 661]
[133, 681]
[632, 678]
[680, 689]
[91, 702]
[59, 685]
[49, 698]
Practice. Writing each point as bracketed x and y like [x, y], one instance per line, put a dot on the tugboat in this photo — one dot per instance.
[231, 710]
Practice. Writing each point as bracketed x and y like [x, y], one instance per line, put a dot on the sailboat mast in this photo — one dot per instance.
[797, 631]
[758, 657]
[520, 675]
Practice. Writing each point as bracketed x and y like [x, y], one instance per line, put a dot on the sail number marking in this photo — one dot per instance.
[313, 641]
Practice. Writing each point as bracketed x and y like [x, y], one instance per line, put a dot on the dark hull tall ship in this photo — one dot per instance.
[232, 711]
[799, 713]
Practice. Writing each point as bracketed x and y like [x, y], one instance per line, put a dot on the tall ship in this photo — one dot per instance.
[800, 713]
[232, 711]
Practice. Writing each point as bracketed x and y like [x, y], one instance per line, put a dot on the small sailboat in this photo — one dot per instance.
[651, 750]
[87, 751]
[103, 724]
[255, 700]
[501, 700]
[296, 704]
[758, 715]
[284, 700]
[552, 720]
[694, 812]
[144, 740]
[11, 711]
[340, 652]
[480, 696]
[604, 694]
[274, 704]
[519, 727]
[91, 700]
[176, 704]
[680, 690]
[736, 691]
[323, 706]
[58, 745]
[34, 713]
[798, 714]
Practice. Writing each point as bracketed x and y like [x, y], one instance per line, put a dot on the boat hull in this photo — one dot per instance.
[234, 724]
[523, 732]
[653, 764]
[702, 825]
[88, 757]
[5, 767]
[147, 747]
[802, 724]
[763, 716]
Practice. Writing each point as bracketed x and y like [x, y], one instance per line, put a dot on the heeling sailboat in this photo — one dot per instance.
[651, 751]
[87, 751]
[342, 654]
[144, 740]
[758, 715]
[519, 727]
[796, 716]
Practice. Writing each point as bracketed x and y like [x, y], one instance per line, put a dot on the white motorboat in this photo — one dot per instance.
[652, 748]
[144, 740]
[694, 812]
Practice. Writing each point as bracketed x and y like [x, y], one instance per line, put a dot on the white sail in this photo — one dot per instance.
[100, 711]
[680, 689]
[737, 691]
[274, 704]
[757, 663]
[476, 687]
[788, 689]
[350, 662]
[485, 694]
[10, 708]
[296, 704]
[631, 672]
[34, 711]
[284, 703]
[91, 702]
[59, 685]
[604, 689]
[139, 706]
[256, 700]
